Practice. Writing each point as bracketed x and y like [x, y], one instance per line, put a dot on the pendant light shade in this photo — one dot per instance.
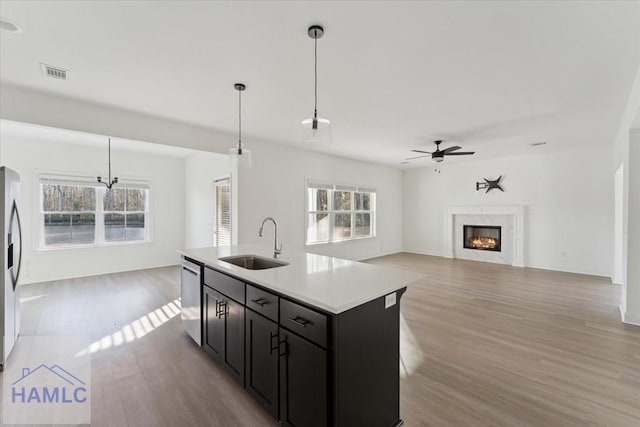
[316, 130]
[239, 156]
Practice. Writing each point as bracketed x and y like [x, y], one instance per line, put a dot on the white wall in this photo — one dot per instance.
[629, 308]
[30, 157]
[618, 229]
[275, 186]
[568, 199]
[632, 314]
[201, 170]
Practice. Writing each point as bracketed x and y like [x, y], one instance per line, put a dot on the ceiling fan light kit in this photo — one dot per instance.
[239, 156]
[316, 130]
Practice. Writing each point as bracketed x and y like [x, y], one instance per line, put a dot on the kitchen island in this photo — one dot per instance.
[315, 340]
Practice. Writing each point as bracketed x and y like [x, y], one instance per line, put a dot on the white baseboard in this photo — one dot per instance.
[418, 252]
[541, 267]
[385, 253]
[630, 318]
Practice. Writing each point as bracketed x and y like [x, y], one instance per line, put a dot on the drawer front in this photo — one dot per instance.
[303, 321]
[233, 288]
[190, 264]
[262, 302]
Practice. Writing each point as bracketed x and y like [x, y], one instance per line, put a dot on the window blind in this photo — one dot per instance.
[222, 232]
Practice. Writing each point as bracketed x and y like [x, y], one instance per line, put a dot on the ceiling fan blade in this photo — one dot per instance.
[418, 157]
[420, 151]
[450, 149]
[460, 153]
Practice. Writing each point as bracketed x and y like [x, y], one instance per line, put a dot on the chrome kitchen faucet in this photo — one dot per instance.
[276, 250]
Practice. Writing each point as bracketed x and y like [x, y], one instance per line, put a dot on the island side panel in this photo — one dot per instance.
[367, 364]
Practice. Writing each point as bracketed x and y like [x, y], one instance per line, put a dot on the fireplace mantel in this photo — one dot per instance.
[515, 211]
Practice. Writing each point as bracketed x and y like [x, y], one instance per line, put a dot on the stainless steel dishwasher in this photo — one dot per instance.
[190, 300]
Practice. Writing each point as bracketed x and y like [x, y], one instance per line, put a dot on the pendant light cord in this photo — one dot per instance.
[239, 122]
[109, 160]
[315, 75]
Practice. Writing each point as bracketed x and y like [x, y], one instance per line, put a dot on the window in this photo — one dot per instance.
[82, 214]
[222, 232]
[124, 214]
[337, 213]
[69, 214]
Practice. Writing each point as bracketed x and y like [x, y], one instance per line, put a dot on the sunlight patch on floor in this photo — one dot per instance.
[136, 329]
[411, 355]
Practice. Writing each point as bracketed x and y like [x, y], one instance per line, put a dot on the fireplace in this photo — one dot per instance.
[482, 237]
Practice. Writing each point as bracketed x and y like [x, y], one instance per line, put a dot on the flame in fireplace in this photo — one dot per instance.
[481, 242]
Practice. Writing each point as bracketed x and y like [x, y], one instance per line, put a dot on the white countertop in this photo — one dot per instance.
[332, 284]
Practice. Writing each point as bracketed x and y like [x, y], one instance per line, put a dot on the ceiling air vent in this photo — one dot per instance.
[54, 72]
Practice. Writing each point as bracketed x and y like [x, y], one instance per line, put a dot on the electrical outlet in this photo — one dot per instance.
[563, 254]
[390, 300]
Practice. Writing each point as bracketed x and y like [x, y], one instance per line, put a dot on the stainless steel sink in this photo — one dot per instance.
[253, 262]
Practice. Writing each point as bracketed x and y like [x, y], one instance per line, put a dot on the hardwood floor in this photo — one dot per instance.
[487, 344]
[482, 344]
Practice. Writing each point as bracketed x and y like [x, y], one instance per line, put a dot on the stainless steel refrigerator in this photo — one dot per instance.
[11, 260]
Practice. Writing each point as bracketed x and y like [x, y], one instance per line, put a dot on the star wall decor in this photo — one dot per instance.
[489, 184]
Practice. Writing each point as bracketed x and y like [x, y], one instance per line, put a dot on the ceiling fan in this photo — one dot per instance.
[439, 154]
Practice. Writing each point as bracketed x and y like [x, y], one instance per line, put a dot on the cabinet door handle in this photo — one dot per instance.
[281, 344]
[301, 321]
[223, 309]
[217, 309]
[272, 346]
[260, 301]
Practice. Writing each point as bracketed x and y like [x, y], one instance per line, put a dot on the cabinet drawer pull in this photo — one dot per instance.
[272, 346]
[185, 268]
[260, 301]
[301, 321]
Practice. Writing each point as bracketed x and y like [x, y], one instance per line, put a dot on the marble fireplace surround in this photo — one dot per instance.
[516, 214]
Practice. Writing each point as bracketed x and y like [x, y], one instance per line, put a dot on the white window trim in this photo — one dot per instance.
[321, 183]
[145, 183]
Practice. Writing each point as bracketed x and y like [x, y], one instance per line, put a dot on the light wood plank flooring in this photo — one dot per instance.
[487, 344]
[482, 344]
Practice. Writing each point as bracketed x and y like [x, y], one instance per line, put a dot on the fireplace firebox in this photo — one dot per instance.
[482, 237]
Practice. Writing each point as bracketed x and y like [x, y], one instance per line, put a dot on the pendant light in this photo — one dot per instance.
[240, 157]
[113, 181]
[316, 130]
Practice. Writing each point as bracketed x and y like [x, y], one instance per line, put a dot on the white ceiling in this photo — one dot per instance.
[490, 76]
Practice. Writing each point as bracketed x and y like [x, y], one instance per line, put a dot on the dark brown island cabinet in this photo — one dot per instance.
[307, 367]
